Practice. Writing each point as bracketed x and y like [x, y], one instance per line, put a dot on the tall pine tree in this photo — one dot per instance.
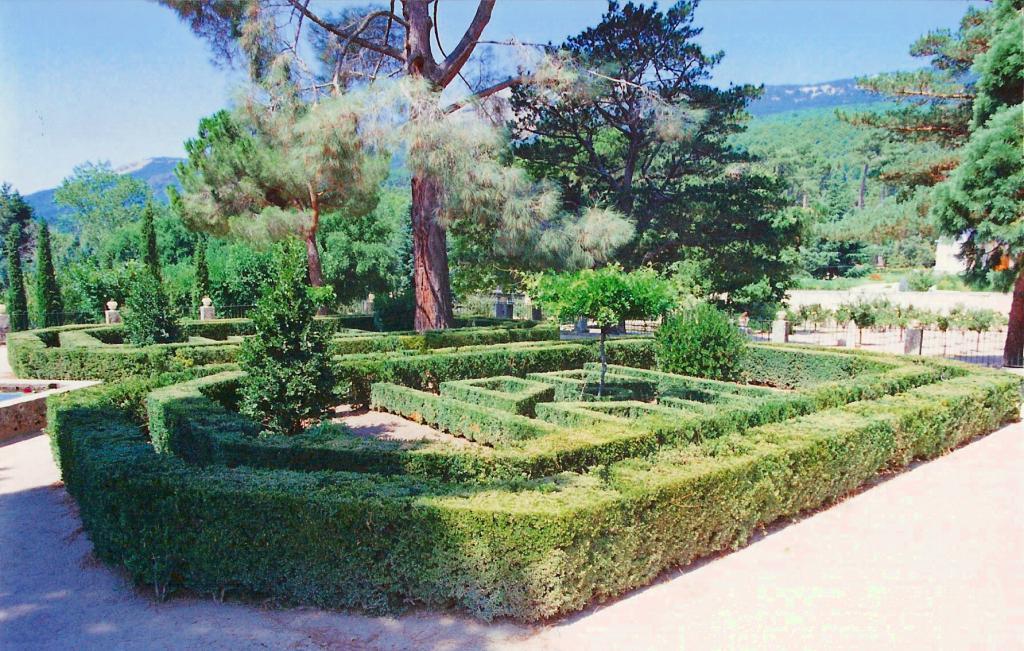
[982, 203]
[17, 304]
[47, 291]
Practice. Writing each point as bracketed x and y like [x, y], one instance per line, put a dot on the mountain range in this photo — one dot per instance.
[158, 172]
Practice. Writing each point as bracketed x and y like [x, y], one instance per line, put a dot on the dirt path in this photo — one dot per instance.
[928, 559]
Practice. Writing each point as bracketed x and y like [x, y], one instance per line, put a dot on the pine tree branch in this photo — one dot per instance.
[481, 94]
[454, 61]
[353, 36]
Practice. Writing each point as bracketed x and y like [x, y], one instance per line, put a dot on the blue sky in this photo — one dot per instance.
[124, 80]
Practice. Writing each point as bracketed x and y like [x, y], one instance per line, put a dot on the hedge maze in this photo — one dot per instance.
[545, 498]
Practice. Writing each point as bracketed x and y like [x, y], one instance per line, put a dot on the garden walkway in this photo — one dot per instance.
[927, 559]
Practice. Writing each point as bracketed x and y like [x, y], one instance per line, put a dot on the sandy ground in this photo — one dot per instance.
[928, 559]
[5, 368]
[389, 427]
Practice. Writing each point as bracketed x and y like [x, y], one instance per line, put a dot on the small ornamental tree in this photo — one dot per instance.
[700, 341]
[202, 269]
[47, 290]
[150, 253]
[17, 303]
[288, 375]
[607, 296]
[148, 317]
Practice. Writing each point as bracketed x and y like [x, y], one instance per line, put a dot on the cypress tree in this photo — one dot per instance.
[202, 270]
[17, 304]
[150, 254]
[47, 290]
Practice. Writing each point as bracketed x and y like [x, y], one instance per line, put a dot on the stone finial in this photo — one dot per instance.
[206, 311]
[111, 314]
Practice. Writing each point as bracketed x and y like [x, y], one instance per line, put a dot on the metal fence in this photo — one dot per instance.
[983, 348]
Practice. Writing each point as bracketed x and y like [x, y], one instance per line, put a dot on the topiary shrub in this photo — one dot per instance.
[288, 373]
[148, 317]
[702, 342]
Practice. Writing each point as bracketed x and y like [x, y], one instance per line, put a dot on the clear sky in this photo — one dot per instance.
[124, 80]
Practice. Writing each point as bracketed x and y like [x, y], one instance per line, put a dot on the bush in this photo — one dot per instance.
[920, 281]
[288, 370]
[529, 549]
[149, 318]
[701, 341]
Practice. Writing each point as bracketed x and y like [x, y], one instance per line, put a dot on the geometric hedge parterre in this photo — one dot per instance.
[550, 499]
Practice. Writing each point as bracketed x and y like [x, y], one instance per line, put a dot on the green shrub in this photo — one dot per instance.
[148, 317]
[700, 341]
[288, 372]
[17, 302]
[529, 549]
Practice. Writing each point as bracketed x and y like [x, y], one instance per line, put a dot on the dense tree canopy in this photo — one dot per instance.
[643, 130]
[982, 203]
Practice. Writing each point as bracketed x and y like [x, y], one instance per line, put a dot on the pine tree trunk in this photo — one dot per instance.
[1013, 351]
[863, 186]
[430, 258]
[316, 276]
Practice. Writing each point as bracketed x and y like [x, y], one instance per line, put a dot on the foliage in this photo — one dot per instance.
[648, 135]
[49, 304]
[983, 197]
[270, 171]
[14, 210]
[606, 295]
[149, 318]
[394, 311]
[289, 378]
[701, 341]
[101, 207]
[920, 281]
[372, 537]
[150, 253]
[17, 303]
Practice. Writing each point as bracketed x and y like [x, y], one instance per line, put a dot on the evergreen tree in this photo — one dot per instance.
[150, 253]
[288, 374]
[650, 137]
[48, 298]
[202, 271]
[17, 304]
[982, 202]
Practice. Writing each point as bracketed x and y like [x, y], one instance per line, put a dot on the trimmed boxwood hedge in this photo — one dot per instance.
[527, 549]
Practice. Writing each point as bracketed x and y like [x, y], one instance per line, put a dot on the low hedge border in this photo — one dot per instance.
[503, 392]
[451, 338]
[528, 550]
[471, 421]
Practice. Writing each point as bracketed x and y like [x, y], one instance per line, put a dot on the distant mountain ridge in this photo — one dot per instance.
[797, 97]
[157, 173]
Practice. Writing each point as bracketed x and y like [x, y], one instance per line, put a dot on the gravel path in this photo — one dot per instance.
[928, 559]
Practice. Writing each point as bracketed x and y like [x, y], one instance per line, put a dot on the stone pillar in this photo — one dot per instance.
[368, 304]
[852, 335]
[206, 310]
[913, 339]
[581, 326]
[111, 314]
[780, 329]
